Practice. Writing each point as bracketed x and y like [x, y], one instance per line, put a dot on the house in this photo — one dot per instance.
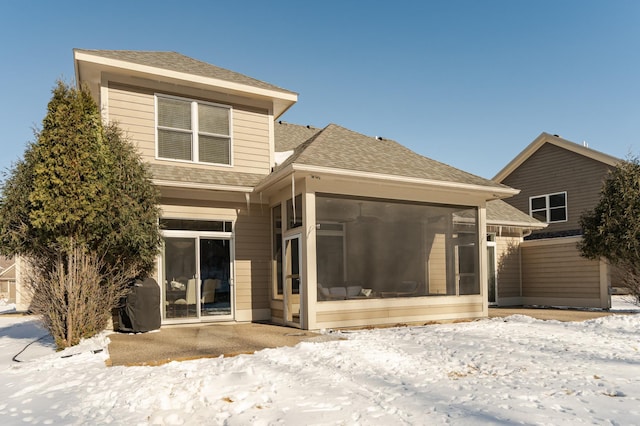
[7, 280]
[302, 226]
[559, 180]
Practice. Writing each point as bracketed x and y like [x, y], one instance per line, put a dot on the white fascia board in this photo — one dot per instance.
[273, 178]
[497, 192]
[76, 68]
[517, 224]
[237, 87]
[456, 186]
[211, 187]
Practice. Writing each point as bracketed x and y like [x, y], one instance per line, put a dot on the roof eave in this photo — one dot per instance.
[558, 141]
[284, 98]
[516, 224]
[497, 192]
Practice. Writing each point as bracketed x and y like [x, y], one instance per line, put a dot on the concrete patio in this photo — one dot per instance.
[192, 341]
[184, 342]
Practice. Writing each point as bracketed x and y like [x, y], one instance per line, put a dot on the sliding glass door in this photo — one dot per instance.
[215, 274]
[198, 278]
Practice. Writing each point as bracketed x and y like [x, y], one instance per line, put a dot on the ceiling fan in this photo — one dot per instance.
[360, 218]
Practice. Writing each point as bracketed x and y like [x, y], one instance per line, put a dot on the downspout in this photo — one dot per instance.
[293, 195]
[261, 202]
[524, 234]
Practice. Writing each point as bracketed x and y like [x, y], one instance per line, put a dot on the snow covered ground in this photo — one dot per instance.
[513, 370]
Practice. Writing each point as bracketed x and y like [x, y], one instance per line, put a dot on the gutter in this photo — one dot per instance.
[498, 192]
[518, 224]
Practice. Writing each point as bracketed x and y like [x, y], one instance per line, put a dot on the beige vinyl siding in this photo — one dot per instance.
[359, 313]
[437, 283]
[8, 290]
[253, 249]
[134, 110]
[134, 113]
[277, 316]
[553, 169]
[252, 246]
[277, 311]
[251, 142]
[508, 266]
[554, 273]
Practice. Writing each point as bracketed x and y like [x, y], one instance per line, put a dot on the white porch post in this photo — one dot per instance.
[482, 266]
[605, 283]
[309, 267]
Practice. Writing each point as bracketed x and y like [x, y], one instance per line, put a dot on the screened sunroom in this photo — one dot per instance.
[366, 232]
[345, 260]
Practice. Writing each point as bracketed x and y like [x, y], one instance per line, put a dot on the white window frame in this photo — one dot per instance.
[548, 208]
[195, 131]
[342, 232]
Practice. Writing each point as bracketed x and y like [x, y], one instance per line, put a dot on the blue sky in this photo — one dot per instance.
[469, 83]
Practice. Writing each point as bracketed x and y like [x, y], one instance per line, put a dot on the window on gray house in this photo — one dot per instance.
[549, 208]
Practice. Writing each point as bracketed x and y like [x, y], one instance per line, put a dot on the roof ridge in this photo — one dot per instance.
[305, 126]
[297, 151]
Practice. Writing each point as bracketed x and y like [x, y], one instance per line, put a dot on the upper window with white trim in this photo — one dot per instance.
[549, 208]
[193, 131]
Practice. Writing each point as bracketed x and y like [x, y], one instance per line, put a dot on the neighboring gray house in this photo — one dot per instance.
[558, 181]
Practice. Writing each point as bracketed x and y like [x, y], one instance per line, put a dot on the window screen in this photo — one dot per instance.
[193, 131]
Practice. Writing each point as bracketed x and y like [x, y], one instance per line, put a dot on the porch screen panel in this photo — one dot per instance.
[387, 249]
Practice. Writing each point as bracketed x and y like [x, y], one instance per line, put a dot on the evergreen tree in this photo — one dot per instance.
[80, 200]
[612, 229]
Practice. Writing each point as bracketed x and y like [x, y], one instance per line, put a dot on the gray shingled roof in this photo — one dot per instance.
[203, 176]
[499, 211]
[340, 148]
[174, 61]
[289, 136]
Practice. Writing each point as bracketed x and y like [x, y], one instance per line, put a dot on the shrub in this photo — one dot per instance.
[81, 208]
[612, 229]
